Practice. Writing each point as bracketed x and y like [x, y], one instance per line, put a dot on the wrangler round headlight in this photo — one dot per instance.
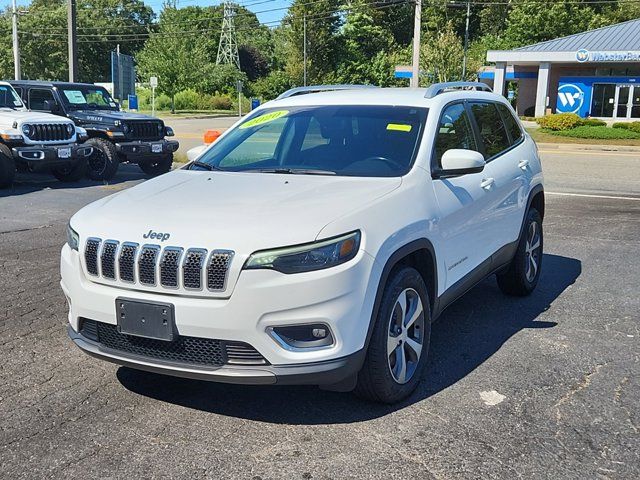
[70, 129]
[26, 130]
[308, 257]
[126, 128]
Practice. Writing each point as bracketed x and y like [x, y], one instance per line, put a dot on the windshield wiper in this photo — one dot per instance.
[294, 171]
[205, 166]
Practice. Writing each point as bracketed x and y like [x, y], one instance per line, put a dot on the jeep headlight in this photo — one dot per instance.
[73, 239]
[26, 130]
[70, 128]
[308, 257]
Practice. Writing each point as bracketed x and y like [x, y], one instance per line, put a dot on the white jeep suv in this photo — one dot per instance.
[314, 242]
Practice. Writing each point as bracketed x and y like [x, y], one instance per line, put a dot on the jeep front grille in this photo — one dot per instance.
[144, 130]
[183, 350]
[49, 132]
[151, 265]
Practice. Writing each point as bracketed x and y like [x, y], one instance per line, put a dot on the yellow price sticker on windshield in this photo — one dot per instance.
[399, 127]
[266, 118]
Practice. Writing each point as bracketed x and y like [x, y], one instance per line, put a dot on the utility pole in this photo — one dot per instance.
[73, 40]
[415, 70]
[304, 49]
[466, 42]
[16, 46]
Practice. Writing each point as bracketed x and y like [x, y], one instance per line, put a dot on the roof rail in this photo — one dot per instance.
[438, 88]
[319, 88]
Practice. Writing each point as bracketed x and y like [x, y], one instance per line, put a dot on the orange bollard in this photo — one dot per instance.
[211, 136]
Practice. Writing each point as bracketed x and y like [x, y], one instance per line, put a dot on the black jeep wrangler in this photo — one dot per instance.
[116, 136]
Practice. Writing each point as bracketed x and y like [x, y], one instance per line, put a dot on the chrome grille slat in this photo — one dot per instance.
[147, 264]
[170, 267]
[218, 269]
[151, 265]
[127, 262]
[108, 259]
[91, 255]
[192, 268]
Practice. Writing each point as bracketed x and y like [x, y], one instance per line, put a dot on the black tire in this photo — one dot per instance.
[377, 379]
[7, 167]
[158, 165]
[71, 172]
[522, 275]
[103, 162]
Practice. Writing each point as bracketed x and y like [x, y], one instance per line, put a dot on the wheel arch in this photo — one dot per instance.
[418, 254]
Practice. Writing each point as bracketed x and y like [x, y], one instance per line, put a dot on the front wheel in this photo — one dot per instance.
[7, 167]
[103, 162]
[399, 343]
[71, 172]
[522, 275]
[159, 165]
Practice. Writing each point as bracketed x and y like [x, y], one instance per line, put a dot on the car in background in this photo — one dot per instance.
[117, 136]
[38, 142]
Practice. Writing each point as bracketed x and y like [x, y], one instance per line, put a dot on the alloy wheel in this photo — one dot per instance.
[532, 251]
[405, 335]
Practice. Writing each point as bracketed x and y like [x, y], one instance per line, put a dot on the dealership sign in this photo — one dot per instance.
[584, 55]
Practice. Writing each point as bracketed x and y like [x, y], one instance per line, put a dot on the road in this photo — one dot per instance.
[541, 387]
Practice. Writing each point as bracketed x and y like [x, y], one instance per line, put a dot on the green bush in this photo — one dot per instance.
[214, 102]
[187, 100]
[560, 121]
[592, 122]
[631, 126]
[163, 102]
[598, 133]
[272, 85]
[144, 98]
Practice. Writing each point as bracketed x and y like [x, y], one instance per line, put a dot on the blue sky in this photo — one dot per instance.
[257, 7]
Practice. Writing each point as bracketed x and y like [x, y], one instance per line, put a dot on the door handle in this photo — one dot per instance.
[523, 164]
[487, 183]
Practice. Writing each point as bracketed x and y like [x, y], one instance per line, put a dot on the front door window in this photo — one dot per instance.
[603, 100]
[622, 104]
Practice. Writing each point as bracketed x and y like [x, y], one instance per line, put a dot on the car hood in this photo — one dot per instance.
[243, 212]
[9, 116]
[108, 115]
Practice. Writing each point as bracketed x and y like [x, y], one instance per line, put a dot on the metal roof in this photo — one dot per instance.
[618, 37]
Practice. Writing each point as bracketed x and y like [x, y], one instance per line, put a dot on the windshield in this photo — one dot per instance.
[9, 98]
[81, 97]
[368, 141]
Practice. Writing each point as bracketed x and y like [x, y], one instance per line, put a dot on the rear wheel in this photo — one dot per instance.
[71, 172]
[522, 275]
[158, 165]
[103, 162]
[399, 343]
[7, 167]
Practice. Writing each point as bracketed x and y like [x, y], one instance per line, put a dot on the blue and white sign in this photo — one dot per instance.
[570, 98]
[584, 55]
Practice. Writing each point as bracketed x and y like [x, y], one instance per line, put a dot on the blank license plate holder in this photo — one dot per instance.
[146, 319]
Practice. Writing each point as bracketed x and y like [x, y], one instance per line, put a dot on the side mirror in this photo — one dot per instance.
[458, 161]
[51, 106]
[195, 152]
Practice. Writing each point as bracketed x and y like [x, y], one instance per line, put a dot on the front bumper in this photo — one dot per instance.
[328, 372]
[140, 149]
[48, 156]
[341, 298]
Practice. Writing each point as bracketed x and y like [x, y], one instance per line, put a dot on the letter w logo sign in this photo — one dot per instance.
[569, 99]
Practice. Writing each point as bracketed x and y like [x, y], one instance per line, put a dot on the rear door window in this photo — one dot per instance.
[513, 127]
[493, 132]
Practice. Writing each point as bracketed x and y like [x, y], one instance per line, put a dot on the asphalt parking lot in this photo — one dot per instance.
[541, 387]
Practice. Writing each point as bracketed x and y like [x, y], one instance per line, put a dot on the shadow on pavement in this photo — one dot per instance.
[470, 332]
[26, 182]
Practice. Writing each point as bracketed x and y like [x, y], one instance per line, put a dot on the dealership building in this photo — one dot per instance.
[594, 74]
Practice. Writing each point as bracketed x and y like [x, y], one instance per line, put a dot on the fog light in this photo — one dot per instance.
[301, 337]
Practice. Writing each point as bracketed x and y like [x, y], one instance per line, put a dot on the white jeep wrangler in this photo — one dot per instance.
[33, 141]
[315, 242]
